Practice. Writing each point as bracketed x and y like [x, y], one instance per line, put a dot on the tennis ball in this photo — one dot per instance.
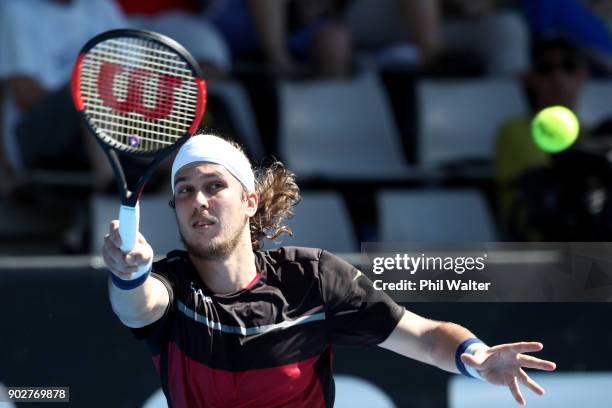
[554, 129]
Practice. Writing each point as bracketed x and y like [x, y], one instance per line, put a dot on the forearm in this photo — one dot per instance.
[429, 341]
[270, 18]
[139, 306]
[423, 21]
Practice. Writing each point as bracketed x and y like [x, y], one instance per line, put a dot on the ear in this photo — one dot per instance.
[252, 202]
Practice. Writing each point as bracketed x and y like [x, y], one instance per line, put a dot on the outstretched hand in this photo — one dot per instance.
[120, 264]
[503, 365]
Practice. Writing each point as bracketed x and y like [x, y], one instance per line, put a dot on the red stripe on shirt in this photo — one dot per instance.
[255, 279]
[193, 384]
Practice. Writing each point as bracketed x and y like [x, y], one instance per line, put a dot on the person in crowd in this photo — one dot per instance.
[41, 129]
[557, 74]
[183, 21]
[286, 34]
[439, 35]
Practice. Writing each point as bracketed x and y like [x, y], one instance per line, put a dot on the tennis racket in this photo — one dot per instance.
[141, 94]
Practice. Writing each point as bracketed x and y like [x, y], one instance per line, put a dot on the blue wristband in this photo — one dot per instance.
[460, 350]
[127, 284]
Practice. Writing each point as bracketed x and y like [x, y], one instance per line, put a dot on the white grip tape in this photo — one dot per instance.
[129, 218]
[128, 226]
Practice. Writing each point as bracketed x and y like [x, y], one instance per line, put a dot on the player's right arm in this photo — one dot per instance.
[144, 304]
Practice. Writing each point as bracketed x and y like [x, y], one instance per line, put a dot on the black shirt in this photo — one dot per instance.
[268, 345]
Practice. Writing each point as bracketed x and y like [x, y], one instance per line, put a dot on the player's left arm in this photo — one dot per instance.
[439, 343]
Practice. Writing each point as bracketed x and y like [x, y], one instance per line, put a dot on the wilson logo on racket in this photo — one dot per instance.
[133, 102]
[138, 90]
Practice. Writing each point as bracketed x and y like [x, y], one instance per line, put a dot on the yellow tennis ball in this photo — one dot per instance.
[555, 128]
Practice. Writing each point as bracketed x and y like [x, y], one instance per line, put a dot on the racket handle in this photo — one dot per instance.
[128, 226]
[129, 218]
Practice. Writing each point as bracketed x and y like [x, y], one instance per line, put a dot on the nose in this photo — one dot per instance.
[200, 200]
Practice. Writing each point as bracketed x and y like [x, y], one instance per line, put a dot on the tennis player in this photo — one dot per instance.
[230, 325]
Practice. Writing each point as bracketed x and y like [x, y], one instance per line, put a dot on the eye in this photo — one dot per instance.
[184, 189]
[215, 185]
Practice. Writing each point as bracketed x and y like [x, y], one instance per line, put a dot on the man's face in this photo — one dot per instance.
[212, 210]
[557, 78]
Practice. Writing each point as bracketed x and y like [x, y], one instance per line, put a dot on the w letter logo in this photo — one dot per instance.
[134, 101]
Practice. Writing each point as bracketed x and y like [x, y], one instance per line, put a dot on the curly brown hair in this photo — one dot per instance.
[278, 193]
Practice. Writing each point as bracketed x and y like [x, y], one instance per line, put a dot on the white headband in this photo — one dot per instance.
[213, 149]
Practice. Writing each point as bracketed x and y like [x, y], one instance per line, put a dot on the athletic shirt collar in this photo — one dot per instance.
[196, 280]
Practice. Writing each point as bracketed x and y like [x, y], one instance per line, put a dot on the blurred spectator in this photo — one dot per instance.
[557, 75]
[285, 33]
[181, 21]
[440, 34]
[574, 20]
[39, 42]
[492, 30]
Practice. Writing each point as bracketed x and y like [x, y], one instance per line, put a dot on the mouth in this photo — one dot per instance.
[202, 223]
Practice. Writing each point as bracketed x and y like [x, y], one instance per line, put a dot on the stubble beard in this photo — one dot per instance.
[214, 250]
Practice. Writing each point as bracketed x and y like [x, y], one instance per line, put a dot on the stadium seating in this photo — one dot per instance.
[584, 390]
[157, 222]
[355, 392]
[322, 221]
[241, 114]
[594, 102]
[458, 119]
[339, 129]
[434, 215]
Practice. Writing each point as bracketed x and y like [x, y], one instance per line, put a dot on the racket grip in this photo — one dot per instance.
[128, 226]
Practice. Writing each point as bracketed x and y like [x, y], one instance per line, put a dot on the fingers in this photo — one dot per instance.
[533, 362]
[516, 392]
[123, 265]
[113, 233]
[529, 383]
[507, 364]
[520, 347]
[115, 259]
[527, 346]
[526, 360]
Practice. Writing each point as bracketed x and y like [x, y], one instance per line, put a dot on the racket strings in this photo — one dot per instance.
[140, 95]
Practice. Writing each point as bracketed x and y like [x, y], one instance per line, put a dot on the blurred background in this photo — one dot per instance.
[404, 120]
